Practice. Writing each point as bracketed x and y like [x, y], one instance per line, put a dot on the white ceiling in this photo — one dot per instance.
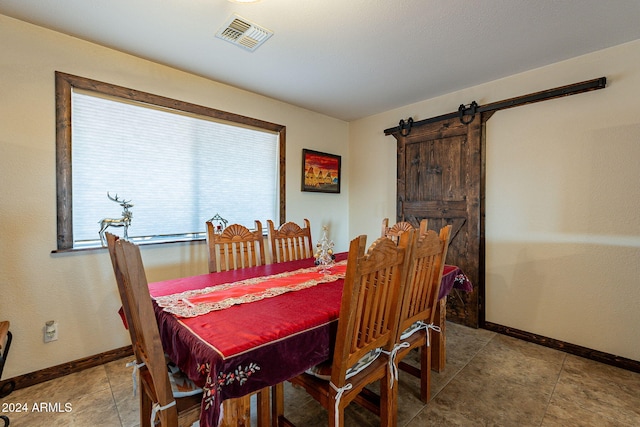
[347, 58]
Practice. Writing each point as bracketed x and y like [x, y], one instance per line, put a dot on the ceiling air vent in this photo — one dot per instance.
[243, 33]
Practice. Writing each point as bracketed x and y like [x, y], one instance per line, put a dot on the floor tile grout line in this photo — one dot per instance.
[453, 377]
[581, 405]
[553, 389]
[115, 401]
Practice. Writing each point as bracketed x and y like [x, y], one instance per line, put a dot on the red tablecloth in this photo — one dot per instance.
[453, 278]
[244, 348]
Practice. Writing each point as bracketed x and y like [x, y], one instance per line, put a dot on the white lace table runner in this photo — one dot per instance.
[196, 302]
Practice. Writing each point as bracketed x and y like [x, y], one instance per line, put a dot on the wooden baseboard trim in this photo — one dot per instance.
[23, 381]
[26, 380]
[587, 353]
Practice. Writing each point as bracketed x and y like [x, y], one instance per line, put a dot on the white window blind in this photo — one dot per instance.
[177, 169]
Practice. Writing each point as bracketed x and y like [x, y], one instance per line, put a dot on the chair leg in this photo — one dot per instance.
[336, 421]
[388, 402]
[278, 419]
[168, 417]
[438, 342]
[145, 409]
[425, 372]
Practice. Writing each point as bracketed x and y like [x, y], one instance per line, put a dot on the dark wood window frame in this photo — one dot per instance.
[65, 83]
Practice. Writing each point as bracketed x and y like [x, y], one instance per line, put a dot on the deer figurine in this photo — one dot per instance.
[125, 221]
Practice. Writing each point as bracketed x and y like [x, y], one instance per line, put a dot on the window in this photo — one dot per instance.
[177, 163]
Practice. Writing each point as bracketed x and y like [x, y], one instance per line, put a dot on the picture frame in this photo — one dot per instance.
[320, 172]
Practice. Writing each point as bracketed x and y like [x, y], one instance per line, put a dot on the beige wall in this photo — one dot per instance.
[563, 230]
[562, 199]
[78, 289]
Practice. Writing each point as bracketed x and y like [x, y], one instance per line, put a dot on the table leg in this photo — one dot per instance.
[439, 340]
[236, 412]
[277, 403]
[264, 411]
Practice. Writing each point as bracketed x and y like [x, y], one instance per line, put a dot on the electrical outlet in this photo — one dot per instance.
[50, 331]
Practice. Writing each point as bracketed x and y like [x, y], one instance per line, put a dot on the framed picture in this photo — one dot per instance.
[320, 172]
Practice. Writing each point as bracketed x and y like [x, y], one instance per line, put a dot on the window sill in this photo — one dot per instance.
[93, 245]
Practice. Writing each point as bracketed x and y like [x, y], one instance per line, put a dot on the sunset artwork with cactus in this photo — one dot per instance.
[320, 172]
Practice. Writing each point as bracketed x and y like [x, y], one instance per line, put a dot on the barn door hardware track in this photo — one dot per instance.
[473, 108]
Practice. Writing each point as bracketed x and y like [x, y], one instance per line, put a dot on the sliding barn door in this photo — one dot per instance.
[439, 178]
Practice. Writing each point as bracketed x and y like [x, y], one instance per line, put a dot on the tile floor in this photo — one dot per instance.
[490, 380]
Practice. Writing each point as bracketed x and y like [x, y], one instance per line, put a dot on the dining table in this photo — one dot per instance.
[237, 332]
[453, 278]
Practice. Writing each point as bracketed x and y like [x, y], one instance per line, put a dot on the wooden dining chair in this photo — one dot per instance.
[418, 308]
[167, 396]
[6, 337]
[396, 229]
[148, 351]
[367, 326]
[236, 247]
[290, 242]
[111, 245]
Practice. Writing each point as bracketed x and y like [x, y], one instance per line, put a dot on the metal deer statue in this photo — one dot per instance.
[125, 221]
